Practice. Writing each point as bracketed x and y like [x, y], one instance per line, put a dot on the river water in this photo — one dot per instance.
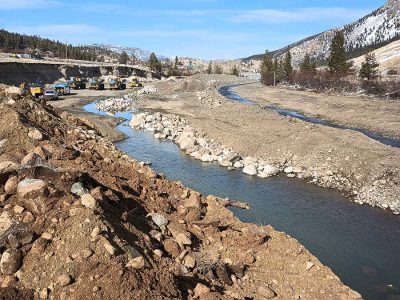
[228, 92]
[360, 243]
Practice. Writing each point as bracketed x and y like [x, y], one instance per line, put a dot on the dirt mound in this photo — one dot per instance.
[81, 220]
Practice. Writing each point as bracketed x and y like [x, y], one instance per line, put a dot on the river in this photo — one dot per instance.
[360, 243]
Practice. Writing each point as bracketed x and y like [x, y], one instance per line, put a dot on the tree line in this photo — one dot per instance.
[335, 76]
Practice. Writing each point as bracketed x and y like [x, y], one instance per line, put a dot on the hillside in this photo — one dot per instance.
[138, 53]
[370, 32]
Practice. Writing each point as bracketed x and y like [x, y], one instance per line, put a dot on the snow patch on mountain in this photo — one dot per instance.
[140, 54]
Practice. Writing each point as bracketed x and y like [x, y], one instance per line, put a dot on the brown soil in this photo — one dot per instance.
[106, 246]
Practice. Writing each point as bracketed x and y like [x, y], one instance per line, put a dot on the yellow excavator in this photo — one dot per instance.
[34, 89]
[76, 83]
[135, 83]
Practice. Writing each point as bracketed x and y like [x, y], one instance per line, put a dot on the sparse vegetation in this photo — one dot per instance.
[369, 68]
[337, 61]
[209, 68]
[393, 72]
[235, 71]
[123, 59]
[154, 63]
[218, 69]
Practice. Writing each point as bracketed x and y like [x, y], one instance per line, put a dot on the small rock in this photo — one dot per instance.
[171, 247]
[31, 187]
[250, 170]
[86, 253]
[44, 293]
[109, 248]
[78, 189]
[200, 290]
[95, 289]
[136, 263]
[11, 261]
[193, 201]
[95, 232]
[18, 209]
[288, 170]
[64, 279]
[29, 218]
[11, 185]
[47, 236]
[309, 265]
[88, 201]
[189, 261]
[158, 219]
[35, 135]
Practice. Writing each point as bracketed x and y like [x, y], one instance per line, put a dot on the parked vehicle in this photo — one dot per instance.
[96, 83]
[77, 83]
[135, 83]
[62, 88]
[116, 84]
[50, 95]
[36, 89]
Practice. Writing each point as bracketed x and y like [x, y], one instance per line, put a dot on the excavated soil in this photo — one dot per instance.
[82, 220]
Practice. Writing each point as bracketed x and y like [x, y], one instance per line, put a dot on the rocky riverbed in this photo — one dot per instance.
[179, 130]
[80, 220]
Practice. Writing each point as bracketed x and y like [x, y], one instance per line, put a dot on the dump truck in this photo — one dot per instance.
[77, 83]
[62, 88]
[135, 83]
[36, 89]
[116, 84]
[96, 83]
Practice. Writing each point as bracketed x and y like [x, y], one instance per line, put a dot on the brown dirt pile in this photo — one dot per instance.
[81, 220]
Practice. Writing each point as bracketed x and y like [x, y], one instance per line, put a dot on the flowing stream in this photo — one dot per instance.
[229, 93]
[360, 243]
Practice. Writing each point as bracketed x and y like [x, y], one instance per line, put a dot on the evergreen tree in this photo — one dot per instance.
[209, 68]
[288, 64]
[369, 68]
[123, 59]
[154, 63]
[337, 61]
[306, 65]
[267, 69]
[280, 72]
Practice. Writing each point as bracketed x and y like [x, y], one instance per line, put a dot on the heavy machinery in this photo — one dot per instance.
[77, 83]
[116, 84]
[135, 83]
[96, 83]
[62, 88]
[35, 89]
[50, 95]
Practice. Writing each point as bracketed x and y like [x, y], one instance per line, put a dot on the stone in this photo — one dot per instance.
[189, 261]
[29, 218]
[136, 263]
[64, 279]
[47, 236]
[238, 165]
[225, 163]
[297, 170]
[201, 290]
[31, 159]
[109, 248]
[86, 253]
[250, 170]
[88, 201]
[11, 261]
[194, 200]
[31, 188]
[5, 222]
[11, 185]
[270, 170]
[171, 247]
[95, 232]
[35, 134]
[288, 170]
[265, 292]
[183, 239]
[78, 189]
[158, 219]
[187, 143]
[8, 167]
[18, 209]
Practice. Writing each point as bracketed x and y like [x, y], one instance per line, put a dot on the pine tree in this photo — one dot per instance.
[267, 69]
[218, 69]
[337, 61]
[154, 63]
[288, 64]
[123, 59]
[306, 65]
[369, 68]
[176, 62]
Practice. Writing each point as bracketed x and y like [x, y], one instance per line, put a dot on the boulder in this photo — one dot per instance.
[250, 170]
[194, 200]
[158, 219]
[11, 185]
[187, 143]
[270, 170]
[31, 159]
[288, 170]
[172, 247]
[7, 167]
[31, 188]
[201, 290]
[35, 134]
[189, 261]
[88, 201]
[78, 189]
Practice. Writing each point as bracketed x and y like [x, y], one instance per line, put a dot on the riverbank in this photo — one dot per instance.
[345, 160]
[94, 233]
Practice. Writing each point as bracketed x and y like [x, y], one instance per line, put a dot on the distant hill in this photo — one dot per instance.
[138, 53]
[373, 31]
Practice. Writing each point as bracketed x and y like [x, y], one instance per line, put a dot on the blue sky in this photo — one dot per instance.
[208, 29]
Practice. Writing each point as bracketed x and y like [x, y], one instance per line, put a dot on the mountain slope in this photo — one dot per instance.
[370, 32]
[139, 53]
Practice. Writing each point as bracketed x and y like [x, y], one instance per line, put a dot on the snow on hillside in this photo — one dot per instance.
[139, 53]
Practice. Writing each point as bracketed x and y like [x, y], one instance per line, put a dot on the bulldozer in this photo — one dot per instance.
[96, 83]
[116, 84]
[135, 83]
[76, 83]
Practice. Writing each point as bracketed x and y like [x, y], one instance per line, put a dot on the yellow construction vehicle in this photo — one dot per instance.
[35, 89]
[135, 83]
[96, 83]
[116, 84]
[76, 83]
